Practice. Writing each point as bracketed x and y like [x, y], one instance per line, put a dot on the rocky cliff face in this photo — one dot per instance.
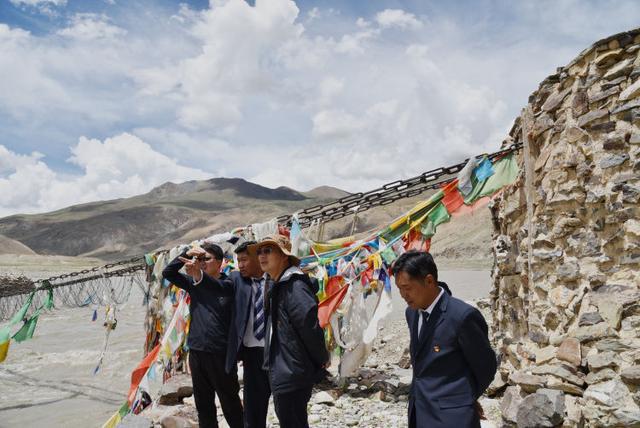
[566, 279]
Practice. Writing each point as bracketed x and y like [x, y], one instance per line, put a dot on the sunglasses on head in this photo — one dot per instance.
[265, 250]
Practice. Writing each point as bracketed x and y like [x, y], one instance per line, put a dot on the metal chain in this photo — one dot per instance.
[384, 195]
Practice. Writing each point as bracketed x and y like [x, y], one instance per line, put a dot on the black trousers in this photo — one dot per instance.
[256, 387]
[291, 408]
[210, 378]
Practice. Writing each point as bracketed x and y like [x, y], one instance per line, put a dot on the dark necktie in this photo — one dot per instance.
[423, 328]
[258, 313]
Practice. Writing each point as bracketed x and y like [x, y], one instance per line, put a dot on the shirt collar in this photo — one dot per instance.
[434, 303]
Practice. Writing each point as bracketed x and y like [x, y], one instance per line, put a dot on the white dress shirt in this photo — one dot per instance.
[249, 340]
[428, 310]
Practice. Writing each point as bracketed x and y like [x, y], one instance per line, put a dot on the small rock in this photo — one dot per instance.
[561, 371]
[592, 332]
[631, 375]
[175, 389]
[600, 376]
[554, 100]
[510, 403]
[545, 354]
[612, 345]
[611, 311]
[570, 351]
[557, 383]
[591, 116]
[626, 106]
[590, 318]
[599, 96]
[611, 161]
[545, 408]
[608, 393]
[620, 69]
[615, 142]
[323, 397]
[527, 382]
[135, 421]
[314, 419]
[628, 417]
[175, 422]
[496, 386]
[574, 407]
[631, 91]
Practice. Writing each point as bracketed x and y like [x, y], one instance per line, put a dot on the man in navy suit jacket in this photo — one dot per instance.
[453, 362]
[246, 336]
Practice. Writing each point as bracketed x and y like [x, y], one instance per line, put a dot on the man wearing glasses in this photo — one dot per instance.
[210, 310]
[295, 352]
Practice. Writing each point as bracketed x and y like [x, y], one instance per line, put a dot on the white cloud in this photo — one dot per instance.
[266, 94]
[46, 7]
[90, 26]
[398, 18]
[39, 2]
[120, 166]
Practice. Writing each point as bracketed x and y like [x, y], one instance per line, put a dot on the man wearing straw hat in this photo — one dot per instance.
[295, 352]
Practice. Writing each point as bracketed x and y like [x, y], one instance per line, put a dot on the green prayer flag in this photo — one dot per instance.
[27, 329]
[388, 255]
[506, 171]
[19, 316]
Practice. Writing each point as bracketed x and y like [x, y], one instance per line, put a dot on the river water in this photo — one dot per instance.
[49, 381]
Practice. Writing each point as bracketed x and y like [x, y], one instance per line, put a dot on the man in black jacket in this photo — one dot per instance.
[246, 336]
[453, 362]
[210, 310]
[295, 352]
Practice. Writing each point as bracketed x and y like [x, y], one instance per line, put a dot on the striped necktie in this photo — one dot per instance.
[258, 311]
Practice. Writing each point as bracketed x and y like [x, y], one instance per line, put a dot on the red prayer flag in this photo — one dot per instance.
[415, 241]
[452, 199]
[138, 373]
[329, 305]
[334, 284]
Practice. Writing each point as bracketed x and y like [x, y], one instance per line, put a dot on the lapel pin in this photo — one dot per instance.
[436, 348]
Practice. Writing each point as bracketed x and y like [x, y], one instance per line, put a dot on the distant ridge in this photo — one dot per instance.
[169, 213]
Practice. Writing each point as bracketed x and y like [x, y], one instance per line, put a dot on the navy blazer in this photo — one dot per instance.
[241, 307]
[453, 364]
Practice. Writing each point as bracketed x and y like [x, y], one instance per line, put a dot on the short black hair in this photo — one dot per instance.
[244, 247]
[214, 250]
[417, 264]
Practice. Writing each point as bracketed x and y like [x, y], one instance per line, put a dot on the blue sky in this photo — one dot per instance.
[102, 99]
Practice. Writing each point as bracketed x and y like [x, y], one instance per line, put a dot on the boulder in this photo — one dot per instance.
[545, 408]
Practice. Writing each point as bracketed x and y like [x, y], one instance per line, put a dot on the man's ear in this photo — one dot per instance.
[430, 280]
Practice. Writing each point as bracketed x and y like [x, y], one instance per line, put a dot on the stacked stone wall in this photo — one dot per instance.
[566, 279]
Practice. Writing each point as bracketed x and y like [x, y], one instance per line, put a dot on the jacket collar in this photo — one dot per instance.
[288, 273]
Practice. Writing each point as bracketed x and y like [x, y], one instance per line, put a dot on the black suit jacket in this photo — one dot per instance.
[453, 364]
[241, 307]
